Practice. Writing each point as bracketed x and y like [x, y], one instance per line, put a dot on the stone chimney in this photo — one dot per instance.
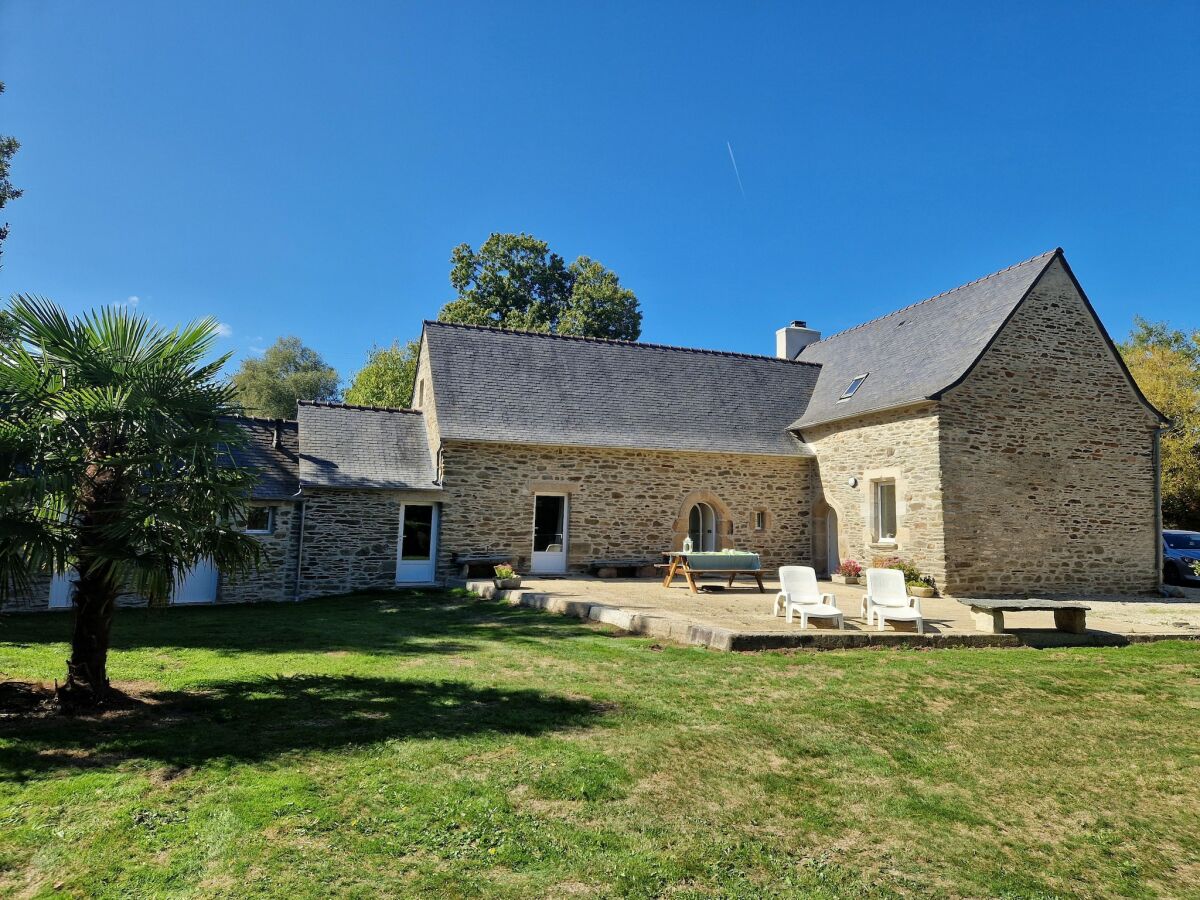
[791, 340]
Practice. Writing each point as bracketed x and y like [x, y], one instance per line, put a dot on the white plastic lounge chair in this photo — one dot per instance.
[800, 594]
[887, 598]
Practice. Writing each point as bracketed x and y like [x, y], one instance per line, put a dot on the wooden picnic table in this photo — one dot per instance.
[678, 565]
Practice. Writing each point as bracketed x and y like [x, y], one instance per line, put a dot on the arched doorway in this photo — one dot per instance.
[702, 527]
[833, 555]
[827, 555]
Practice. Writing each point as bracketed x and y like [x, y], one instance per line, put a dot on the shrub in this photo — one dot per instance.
[912, 575]
[504, 571]
[849, 568]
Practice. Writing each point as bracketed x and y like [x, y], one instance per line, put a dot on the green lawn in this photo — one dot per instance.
[429, 745]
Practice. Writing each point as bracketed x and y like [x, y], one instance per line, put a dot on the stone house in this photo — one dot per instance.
[990, 434]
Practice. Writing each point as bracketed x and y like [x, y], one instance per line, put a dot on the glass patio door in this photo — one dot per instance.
[416, 557]
[549, 534]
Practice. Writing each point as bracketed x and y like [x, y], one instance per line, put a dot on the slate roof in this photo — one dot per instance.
[344, 446]
[917, 352]
[492, 384]
[278, 467]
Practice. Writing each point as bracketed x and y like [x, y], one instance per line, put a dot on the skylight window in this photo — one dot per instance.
[853, 388]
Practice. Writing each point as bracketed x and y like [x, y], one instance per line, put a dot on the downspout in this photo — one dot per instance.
[1158, 516]
[299, 550]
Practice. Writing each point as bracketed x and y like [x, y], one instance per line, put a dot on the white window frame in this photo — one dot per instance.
[877, 534]
[270, 529]
[760, 520]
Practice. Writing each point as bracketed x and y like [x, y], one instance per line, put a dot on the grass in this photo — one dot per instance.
[429, 745]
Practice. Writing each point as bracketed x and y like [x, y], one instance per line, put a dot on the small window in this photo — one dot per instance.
[260, 520]
[760, 521]
[884, 512]
[854, 386]
[421, 394]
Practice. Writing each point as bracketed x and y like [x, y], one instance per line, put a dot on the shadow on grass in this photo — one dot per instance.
[399, 622]
[255, 720]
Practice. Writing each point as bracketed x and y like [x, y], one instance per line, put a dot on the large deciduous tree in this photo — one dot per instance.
[1165, 362]
[114, 464]
[387, 378]
[515, 281]
[8, 149]
[288, 371]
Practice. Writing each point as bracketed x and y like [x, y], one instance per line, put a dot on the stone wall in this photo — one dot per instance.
[1048, 460]
[351, 538]
[37, 598]
[275, 578]
[624, 504]
[900, 445]
[423, 394]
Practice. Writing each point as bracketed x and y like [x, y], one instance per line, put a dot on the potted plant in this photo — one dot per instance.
[506, 578]
[849, 572]
[922, 588]
[918, 585]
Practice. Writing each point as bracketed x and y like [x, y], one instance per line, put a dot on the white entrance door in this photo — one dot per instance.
[60, 589]
[197, 585]
[416, 557]
[549, 534]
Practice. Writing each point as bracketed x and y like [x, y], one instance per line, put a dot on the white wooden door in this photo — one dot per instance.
[550, 517]
[196, 585]
[416, 556]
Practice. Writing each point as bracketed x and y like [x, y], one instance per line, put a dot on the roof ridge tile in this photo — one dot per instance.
[327, 404]
[648, 345]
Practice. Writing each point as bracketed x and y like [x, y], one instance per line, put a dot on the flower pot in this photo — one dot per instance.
[922, 591]
[507, 584]
[843, 579]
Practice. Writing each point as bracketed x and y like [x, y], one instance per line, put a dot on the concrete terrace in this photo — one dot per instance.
[740, 618]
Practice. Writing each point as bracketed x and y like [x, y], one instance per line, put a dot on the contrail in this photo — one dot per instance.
[736, 173]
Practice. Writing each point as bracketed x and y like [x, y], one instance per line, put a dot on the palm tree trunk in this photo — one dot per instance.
[96, 591]
[87, 669]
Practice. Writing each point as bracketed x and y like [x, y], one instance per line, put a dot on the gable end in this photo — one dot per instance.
[1111, 348]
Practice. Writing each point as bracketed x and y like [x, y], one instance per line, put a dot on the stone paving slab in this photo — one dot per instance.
[740, 619]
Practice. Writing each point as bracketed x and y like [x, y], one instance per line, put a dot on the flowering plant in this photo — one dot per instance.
[504, 571]
[912, 575]
[849, 568]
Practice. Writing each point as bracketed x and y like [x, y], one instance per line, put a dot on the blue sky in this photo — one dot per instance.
[306, 168]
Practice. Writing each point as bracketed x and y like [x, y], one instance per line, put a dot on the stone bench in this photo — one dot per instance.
[1069, 615]
[472, 564]
[621, 568]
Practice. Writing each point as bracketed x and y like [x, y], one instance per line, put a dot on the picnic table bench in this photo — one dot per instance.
[1069, 615]
[689, 565]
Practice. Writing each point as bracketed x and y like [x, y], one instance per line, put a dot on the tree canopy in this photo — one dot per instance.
[1165, 362]
[8, 149]
[288, 371]
[515, 281]
[387, 378]
[114, 464]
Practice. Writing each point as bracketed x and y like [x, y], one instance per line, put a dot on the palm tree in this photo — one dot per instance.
[114, 462]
